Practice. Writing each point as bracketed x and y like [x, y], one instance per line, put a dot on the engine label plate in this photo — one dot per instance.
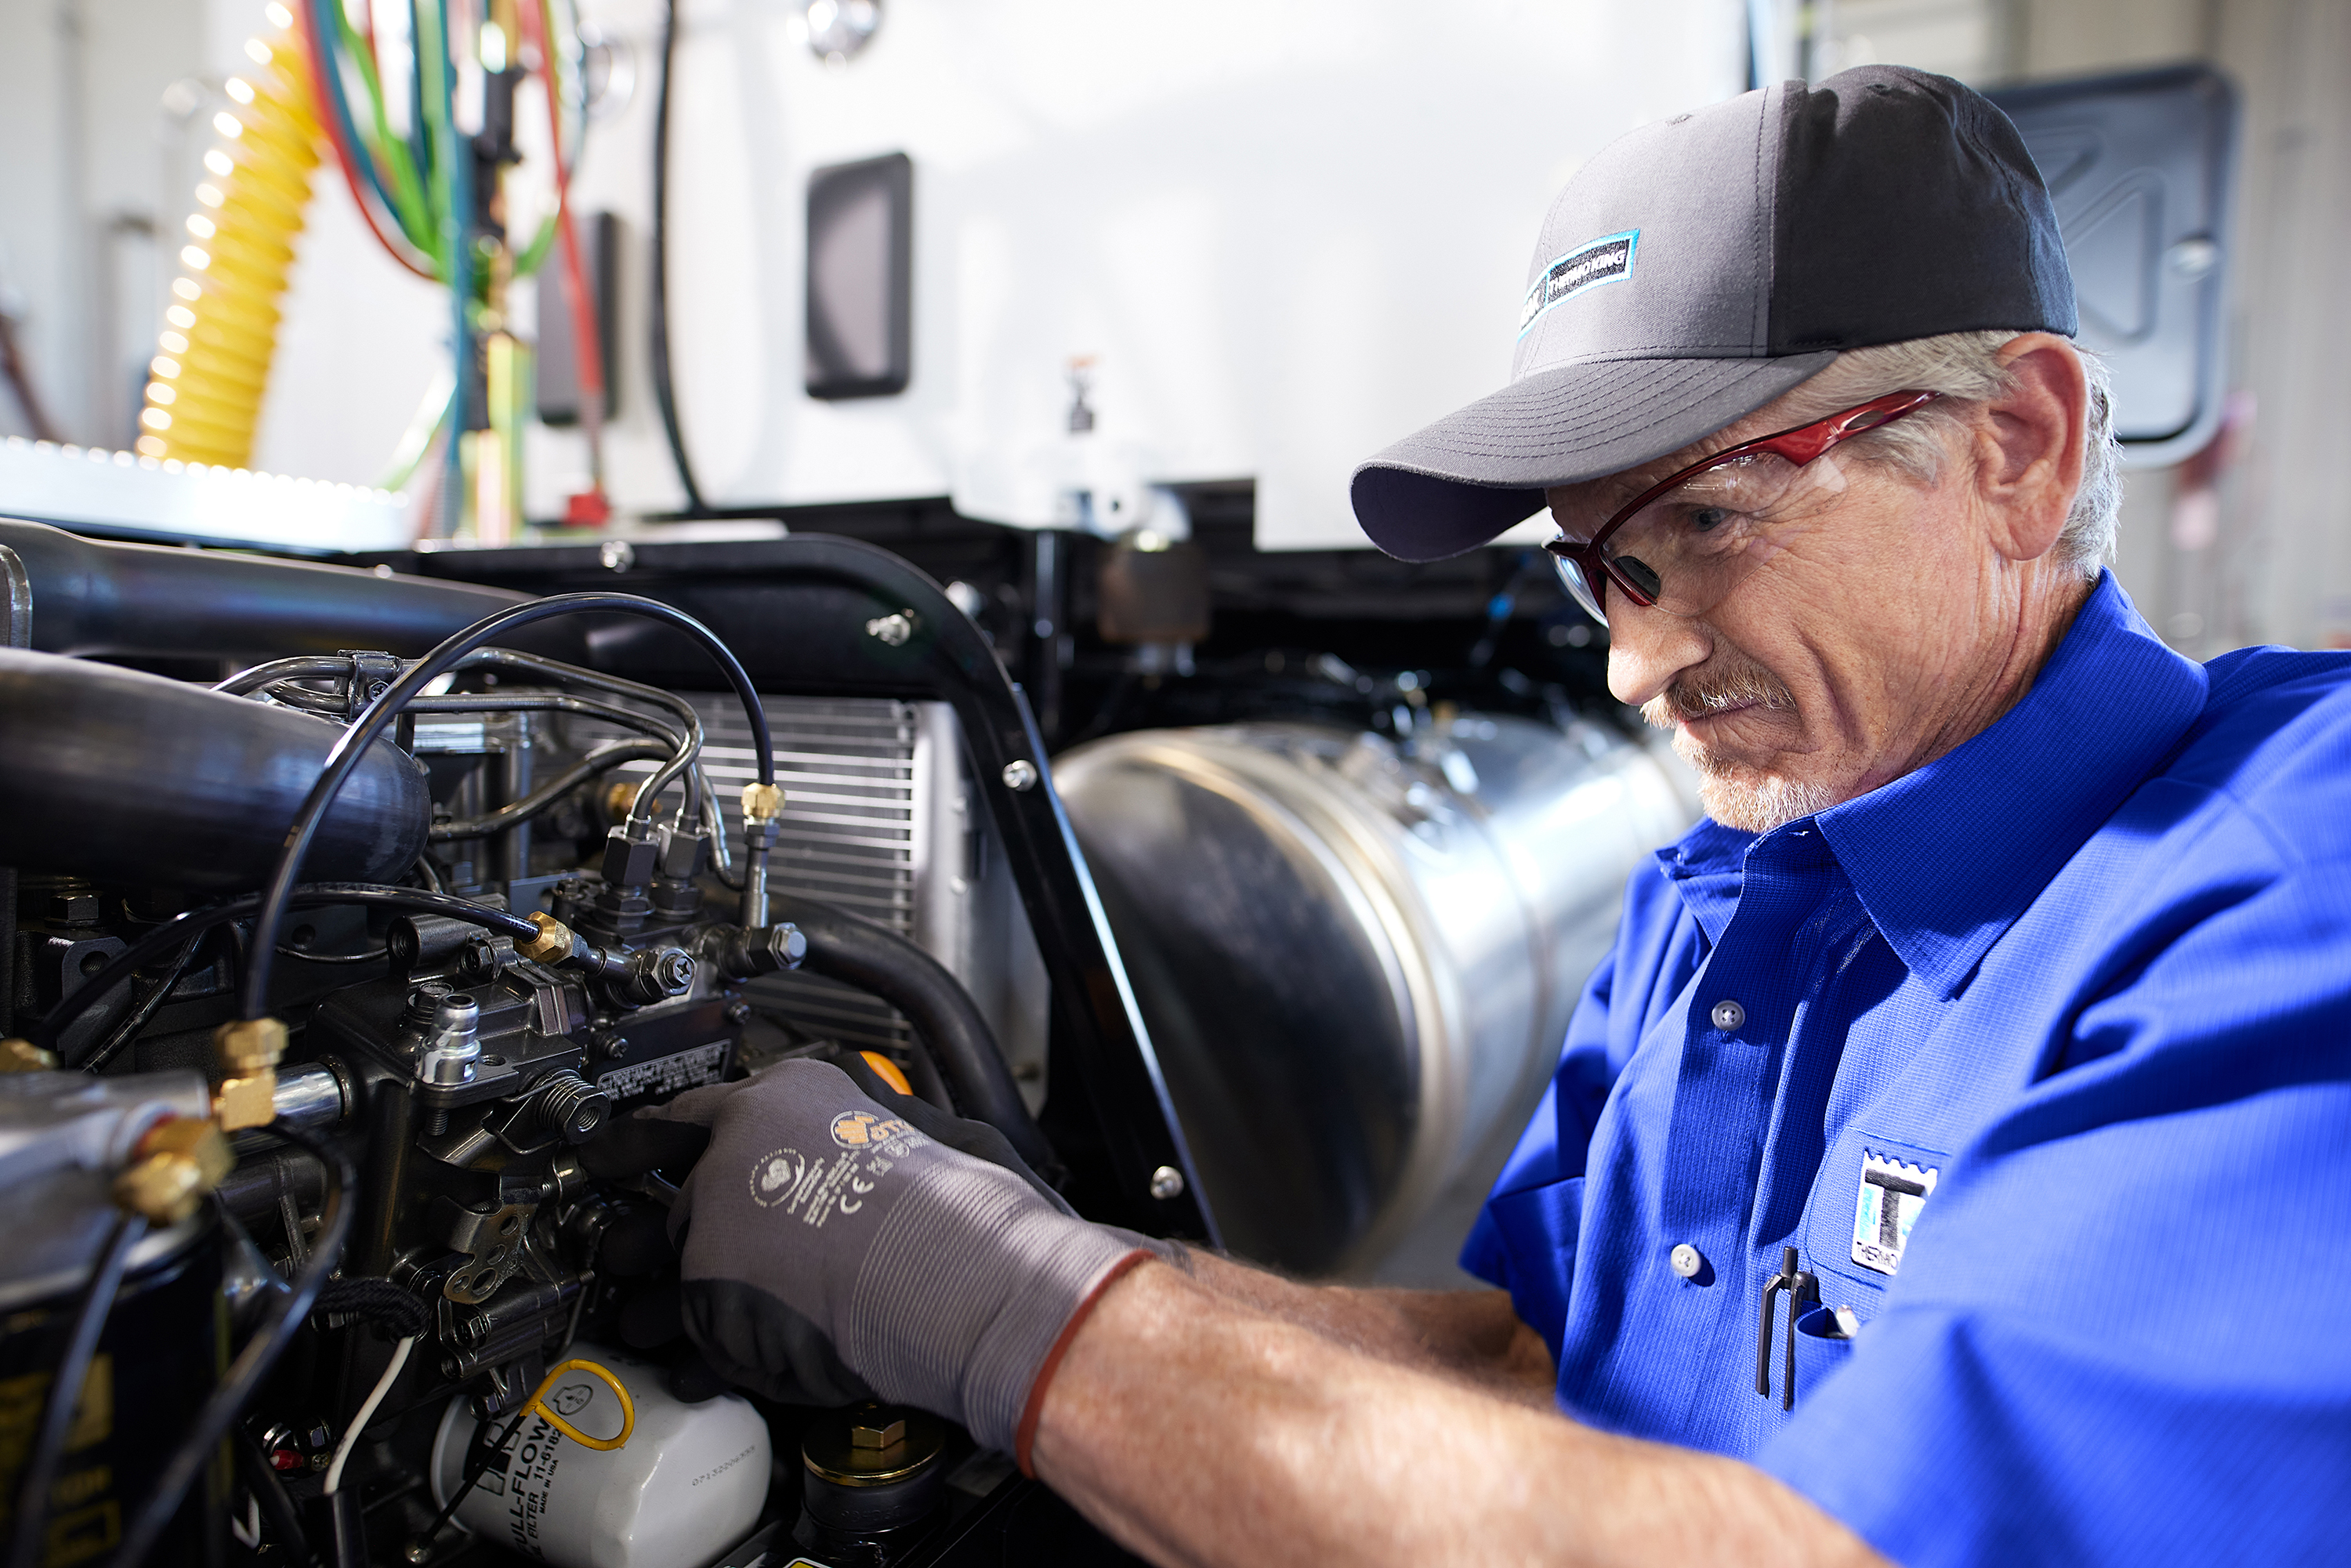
[687, 1068]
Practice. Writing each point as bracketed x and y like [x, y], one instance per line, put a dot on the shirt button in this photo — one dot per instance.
[1688, 1260]
[1729, 1015]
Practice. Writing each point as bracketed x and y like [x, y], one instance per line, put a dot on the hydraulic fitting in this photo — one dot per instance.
[630, 861]
[762, 802]
[648, 976]
[247, 1051]
[178, 1162]
[23, 1056]
[743, 954]
[566, 1106]
[453, 1050]
[555, 942]
[683, 854]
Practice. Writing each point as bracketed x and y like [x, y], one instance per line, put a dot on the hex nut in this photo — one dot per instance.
[762, 802]
[180, 1160]
[553, 942]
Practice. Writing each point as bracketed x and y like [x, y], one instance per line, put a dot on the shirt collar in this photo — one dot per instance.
[1947, 858]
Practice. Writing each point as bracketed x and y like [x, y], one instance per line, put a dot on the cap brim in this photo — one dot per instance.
[1455, 485]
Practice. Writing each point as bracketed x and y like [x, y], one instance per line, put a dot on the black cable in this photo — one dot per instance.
[603, 760]
[142, 1015]
[29, 1542]
[378, 956]
[877, 960]
[665, 392]
[379, 1300]
[270, 919]
[179, 929]
[683, 746]
[269, 1489]
[472, 1475]
[279, 1323]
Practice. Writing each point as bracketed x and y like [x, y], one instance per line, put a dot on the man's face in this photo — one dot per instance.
[1883, 633]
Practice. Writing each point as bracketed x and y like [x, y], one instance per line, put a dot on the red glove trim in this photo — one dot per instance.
[1025, 1436]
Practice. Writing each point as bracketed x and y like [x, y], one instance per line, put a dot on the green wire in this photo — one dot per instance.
[408, 194]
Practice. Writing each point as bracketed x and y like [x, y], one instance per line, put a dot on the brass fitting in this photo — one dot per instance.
[180, 1160]
[762, 802]
[876, 1429]
[248, 1050]
[23, 1056]
[553, 942]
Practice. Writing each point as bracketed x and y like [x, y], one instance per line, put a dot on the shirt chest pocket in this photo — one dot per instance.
[1870, 1197]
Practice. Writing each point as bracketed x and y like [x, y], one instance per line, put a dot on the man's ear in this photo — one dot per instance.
[2030, 445]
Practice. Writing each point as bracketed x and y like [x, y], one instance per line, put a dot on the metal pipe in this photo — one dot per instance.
[312, 1097]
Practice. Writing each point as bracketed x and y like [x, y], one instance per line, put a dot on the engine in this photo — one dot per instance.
[346, 911]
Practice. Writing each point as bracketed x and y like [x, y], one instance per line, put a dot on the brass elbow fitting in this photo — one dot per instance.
[248, 1052]
[23, 1056]
[180, 1160]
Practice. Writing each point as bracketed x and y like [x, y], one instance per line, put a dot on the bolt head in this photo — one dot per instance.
[1021, 776]
[877, 1430]
[1166, 1182]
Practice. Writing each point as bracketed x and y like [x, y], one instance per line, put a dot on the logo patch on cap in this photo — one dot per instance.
[1608, 259]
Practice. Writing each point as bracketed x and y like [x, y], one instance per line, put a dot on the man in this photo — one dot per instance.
[1953, 1160]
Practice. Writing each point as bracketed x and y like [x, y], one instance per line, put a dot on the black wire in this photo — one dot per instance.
[603, 760]
[665, 392]
[28, 1541]
[280, 1320]
[472, 1475]
[149, 1005]
[270, 919]
[145, 951]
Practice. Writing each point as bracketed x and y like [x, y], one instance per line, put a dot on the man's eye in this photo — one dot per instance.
[1705, 519]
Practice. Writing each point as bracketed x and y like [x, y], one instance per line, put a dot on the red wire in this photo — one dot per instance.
[345, 159]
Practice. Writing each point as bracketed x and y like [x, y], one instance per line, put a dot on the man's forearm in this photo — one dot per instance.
[1471, 1335]
[1199, 1429]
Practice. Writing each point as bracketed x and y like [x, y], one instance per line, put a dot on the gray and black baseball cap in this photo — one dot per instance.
[1696, 269]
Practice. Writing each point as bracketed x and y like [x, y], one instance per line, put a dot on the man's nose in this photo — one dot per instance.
[1648, 647]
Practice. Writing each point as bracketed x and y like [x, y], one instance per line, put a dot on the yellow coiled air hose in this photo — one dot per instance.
[203, 394]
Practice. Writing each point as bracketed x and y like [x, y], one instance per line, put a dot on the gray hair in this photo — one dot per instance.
[1965, 368]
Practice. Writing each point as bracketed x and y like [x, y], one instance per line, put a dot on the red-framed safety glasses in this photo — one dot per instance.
[1685, 542]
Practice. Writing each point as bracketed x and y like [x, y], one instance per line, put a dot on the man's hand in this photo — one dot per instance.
[830, 1249]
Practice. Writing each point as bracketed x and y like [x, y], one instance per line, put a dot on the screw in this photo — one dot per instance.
[739, 1012]
[1021, 776]
[417, 1551]
[1166, 1182]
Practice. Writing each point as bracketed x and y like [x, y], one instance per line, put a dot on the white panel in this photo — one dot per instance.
[1284, 236]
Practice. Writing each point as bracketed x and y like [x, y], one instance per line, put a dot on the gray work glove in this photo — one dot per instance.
[822, 1235]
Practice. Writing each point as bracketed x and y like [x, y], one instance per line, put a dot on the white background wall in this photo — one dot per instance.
[1288, 231]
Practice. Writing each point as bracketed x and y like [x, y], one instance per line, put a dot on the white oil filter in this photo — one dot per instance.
[687, 1485]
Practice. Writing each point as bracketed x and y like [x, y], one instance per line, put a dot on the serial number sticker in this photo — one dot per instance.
[688, 1068]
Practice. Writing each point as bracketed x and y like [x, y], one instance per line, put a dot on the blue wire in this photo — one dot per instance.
[323, 28]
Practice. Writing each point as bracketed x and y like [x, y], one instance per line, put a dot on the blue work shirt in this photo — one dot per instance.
[2040, 1058]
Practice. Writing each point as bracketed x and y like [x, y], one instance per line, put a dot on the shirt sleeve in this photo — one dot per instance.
[1524, 1238]
[2122, 1335]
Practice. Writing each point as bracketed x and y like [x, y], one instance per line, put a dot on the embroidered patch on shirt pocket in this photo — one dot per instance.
[1870, 1197]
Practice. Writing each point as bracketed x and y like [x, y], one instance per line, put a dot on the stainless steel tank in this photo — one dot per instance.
[1357, 957]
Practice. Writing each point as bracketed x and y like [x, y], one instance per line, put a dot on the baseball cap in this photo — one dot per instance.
[1699, 267]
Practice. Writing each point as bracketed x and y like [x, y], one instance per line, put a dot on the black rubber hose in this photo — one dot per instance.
[181, 927]
[280, 1320]
[29, 1542]
[877, 960]
[664, 386]
[344, 759]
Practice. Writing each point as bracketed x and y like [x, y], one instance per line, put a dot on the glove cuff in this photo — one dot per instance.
[1024, 1437]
